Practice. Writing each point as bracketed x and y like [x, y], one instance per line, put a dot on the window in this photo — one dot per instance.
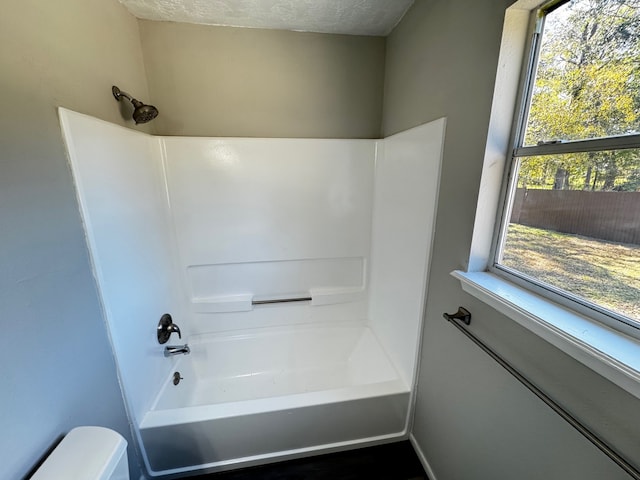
[571, 224]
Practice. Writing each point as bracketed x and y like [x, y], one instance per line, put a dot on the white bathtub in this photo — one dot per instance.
[250, 396]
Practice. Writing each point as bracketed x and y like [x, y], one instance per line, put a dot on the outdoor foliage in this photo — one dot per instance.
[587, 86]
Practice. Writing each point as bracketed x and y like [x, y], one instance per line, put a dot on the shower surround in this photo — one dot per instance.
[208, 229]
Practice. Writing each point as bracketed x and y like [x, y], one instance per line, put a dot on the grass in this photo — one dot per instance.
[606, 273]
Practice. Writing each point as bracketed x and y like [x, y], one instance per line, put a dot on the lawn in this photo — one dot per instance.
[603, 272]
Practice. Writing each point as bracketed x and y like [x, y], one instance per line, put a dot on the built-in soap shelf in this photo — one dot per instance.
[216, 287]
[247, 302]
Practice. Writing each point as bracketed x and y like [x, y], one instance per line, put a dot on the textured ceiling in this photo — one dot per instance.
[353, 17]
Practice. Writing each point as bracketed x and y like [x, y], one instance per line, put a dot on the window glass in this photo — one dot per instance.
[587, 80]
[575, 225]
[572, 222]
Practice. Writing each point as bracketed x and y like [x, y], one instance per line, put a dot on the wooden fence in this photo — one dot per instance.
[613, 216]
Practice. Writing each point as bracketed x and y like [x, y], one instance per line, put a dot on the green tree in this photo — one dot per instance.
[587, 86]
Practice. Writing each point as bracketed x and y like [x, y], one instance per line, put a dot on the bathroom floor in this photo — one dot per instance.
[395, 461]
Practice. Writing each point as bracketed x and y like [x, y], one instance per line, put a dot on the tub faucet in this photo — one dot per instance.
[171, 350]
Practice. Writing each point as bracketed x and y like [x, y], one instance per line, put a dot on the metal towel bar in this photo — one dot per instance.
[588, 434]
[280, 300]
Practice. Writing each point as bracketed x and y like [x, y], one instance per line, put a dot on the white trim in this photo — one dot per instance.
[503, 109]
[604, 350]
[421, 456]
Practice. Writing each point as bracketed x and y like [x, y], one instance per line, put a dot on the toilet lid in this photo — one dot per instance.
[86, 453]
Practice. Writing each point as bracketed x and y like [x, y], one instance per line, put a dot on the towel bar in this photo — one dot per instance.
[588, 434]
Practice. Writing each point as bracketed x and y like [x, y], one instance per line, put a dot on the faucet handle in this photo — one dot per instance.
[173, 328]
[166, 327]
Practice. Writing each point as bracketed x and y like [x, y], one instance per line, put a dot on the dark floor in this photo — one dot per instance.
[395, 461]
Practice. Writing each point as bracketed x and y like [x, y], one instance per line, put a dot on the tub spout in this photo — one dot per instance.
[171, 350]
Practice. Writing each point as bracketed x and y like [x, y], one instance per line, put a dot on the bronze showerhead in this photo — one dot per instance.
[141, 113]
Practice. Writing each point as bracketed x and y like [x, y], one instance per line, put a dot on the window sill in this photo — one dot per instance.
[610, 353]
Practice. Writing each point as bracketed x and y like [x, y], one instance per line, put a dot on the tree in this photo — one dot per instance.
[587, 86]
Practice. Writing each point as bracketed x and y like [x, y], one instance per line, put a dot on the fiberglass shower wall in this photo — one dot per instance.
[269, 219]
[200, 227]
[120, 187]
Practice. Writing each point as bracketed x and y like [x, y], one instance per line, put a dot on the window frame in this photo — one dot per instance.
[517, 150]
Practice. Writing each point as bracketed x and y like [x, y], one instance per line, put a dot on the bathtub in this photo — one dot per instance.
[251, 396]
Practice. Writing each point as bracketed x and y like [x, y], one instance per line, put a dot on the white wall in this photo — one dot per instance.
[405, 194]
[199, 227]
[120, 185]
[271, 218]
[348, 222]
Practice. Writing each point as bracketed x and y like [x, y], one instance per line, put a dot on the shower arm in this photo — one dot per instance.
[119, 94]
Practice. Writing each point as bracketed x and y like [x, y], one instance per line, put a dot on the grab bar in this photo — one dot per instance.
[588, 434]
[280, 300]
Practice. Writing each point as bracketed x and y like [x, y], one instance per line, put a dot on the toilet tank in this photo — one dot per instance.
[87, 453]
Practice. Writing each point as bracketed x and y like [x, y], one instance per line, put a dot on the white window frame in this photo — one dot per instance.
[559, 295]
[606, 345]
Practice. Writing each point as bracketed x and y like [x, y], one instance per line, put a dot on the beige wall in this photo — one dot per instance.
[473, 421]
[222, 81]
[58, 369]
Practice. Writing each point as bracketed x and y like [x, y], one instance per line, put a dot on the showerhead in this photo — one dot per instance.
[141, 113]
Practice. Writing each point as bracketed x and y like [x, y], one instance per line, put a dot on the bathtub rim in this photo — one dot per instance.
[275, 457]
[197, 413]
